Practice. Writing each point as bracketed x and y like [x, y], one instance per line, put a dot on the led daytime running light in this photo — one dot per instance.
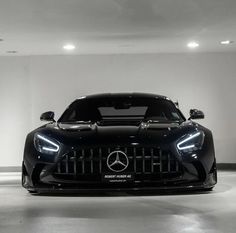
[186, 140]
[50, 142]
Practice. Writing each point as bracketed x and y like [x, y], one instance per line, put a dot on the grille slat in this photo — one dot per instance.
[177, 165]
[134, 154]
[75, 162]
[151, 161]
[168, 162]
[143, 159]
[83, 161]
[160, 159]
[125, 150]
[91, 162]
[67, 163]
[100, 160]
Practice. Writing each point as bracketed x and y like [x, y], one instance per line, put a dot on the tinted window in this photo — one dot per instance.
[121, 108]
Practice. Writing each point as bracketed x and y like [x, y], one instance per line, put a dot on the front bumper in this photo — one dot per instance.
[184, 182]
[69, 189]
[72, 172]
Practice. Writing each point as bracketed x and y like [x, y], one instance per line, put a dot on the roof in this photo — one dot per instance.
[124, 95]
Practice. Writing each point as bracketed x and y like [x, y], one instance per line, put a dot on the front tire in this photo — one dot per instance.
[209, 189]
[32, 191]
[23, 176]
[25, 180]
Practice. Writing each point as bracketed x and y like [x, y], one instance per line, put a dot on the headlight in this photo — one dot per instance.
[191, 142]
[44, 144]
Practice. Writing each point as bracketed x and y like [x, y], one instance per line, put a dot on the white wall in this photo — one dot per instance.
[30, 86]
[15, 110]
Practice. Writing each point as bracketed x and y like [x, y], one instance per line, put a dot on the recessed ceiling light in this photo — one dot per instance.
[12, 51]
[193, 44]
[69, 47]
[226, 42]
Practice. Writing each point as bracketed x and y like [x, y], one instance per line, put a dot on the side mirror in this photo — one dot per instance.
[47, 116]
[196, 114]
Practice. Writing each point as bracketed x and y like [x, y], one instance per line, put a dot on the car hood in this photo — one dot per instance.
[144, 132]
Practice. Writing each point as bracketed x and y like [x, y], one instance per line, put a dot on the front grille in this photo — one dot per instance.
[147, 163]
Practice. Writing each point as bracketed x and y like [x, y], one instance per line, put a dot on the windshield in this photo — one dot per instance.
[121, 109]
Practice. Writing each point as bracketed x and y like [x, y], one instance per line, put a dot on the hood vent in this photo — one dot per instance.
[160, 126]
[75, 127]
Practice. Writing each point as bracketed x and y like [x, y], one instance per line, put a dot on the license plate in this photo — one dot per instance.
[118, 178]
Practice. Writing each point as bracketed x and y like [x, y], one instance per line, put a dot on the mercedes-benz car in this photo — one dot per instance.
[125, 141]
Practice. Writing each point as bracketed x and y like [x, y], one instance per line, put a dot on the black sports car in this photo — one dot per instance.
[120, 142]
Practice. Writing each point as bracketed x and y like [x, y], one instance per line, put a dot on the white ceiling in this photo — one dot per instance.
[34, 27]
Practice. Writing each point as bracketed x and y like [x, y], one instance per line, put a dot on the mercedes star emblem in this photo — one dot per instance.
[117, 161]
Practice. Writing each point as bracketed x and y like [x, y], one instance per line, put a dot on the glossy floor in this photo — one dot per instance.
[21, 212]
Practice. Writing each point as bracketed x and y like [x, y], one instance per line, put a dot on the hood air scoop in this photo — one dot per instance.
[159, 126]
[76, 127]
